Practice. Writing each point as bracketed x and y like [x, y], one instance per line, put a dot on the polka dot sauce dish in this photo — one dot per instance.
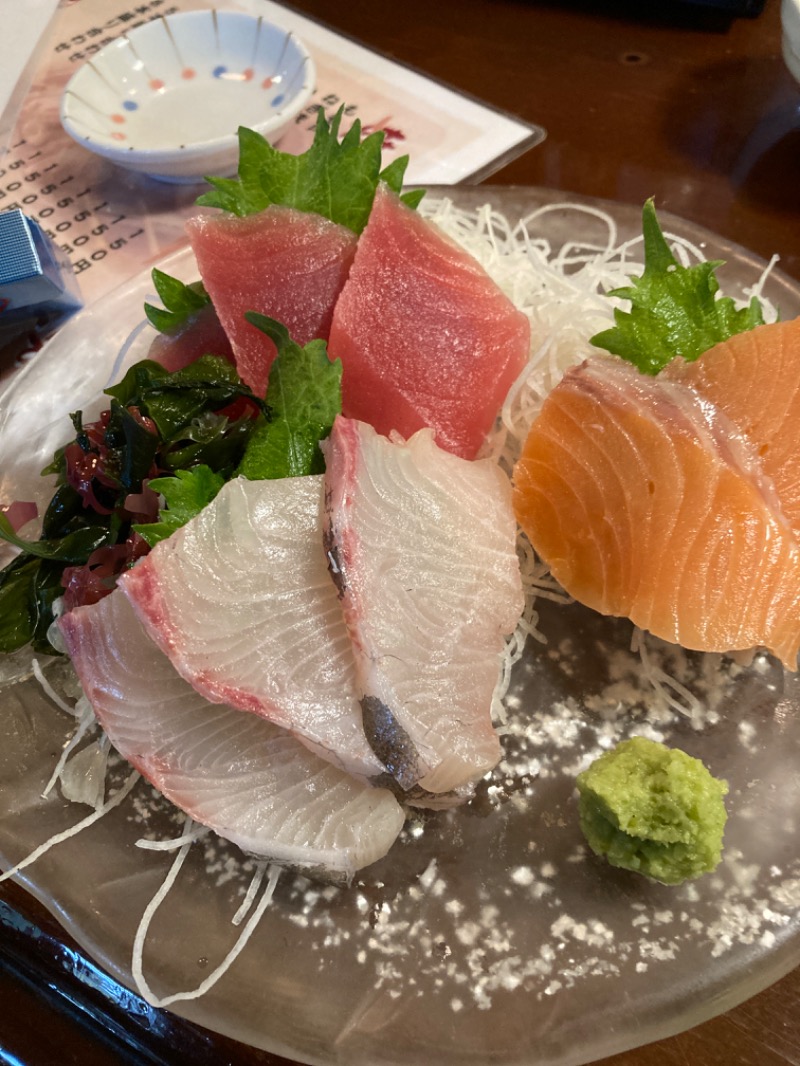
[168, 98]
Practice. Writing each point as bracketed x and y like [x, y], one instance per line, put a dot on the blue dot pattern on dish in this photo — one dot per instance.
[130, 105]
[219, 71]
[278, 100]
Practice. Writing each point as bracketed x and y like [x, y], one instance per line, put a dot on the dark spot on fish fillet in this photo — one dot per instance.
[334, 559]
[416, 796]
[390, 742]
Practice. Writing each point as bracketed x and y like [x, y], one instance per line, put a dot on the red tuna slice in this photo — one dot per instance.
[754, 377]
[246, 779]
[421, 545]
[240, 601]
[201, 335]
[284, 263]
[425, 336]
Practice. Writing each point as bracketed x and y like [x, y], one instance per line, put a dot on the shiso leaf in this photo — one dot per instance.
[393, 175]
[675, 310]
[181, 302]
[304, 395]
[333, 178]
[185, 495]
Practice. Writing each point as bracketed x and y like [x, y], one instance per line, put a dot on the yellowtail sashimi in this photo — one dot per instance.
[248, 780]
[422, 547]
[241, 602]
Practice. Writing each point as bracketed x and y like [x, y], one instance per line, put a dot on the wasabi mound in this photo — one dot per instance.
[654, 810]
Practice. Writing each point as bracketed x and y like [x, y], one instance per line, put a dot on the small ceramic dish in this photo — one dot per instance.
[167, 98]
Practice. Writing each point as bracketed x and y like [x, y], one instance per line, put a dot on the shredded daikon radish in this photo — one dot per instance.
[187, 837]
[114, 801]
[757, 290]
[83, 777]
[141, 933]
[38, 673]
[250, 895]
[85, 722]
[15, 667]
[668, 689]
[54, 637]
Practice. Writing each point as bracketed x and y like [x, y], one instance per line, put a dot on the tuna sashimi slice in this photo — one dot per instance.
[284, 263]
[425, 336]
[421, 544]
[201, 335]
[754, 377]
[647, 503]
[241, 602]
[248, 780]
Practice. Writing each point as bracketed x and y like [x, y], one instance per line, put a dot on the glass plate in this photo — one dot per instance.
[487, 935]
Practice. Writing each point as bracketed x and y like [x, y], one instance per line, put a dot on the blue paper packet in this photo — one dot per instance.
[36, 279]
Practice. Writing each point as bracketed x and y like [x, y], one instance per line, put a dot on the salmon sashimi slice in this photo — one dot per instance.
[241, 602]
[754, 377]
[288, 264]
[249, 781]
[425, 336]
[422, 547]
[647, 503]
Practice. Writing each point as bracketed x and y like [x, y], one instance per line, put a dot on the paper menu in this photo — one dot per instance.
[113, 223]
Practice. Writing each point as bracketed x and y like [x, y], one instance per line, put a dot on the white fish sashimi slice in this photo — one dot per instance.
[422, 546]
[241, 602]
[249, 781]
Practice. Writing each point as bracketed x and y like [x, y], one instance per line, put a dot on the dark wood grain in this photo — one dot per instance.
[638, 99]
[656, 99]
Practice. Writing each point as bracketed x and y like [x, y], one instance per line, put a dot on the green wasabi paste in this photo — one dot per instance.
[653, 809]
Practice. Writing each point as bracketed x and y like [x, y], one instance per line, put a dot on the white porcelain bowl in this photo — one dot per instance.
[167, 98]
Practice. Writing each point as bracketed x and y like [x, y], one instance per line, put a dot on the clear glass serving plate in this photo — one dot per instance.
[488, 935]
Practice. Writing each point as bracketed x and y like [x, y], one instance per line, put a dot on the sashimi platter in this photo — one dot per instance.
[399, 620]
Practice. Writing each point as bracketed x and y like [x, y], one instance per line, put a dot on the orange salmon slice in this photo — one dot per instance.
[647, 503]
[754, 378]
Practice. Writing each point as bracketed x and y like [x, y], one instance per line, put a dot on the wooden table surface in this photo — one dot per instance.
[673, 100]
